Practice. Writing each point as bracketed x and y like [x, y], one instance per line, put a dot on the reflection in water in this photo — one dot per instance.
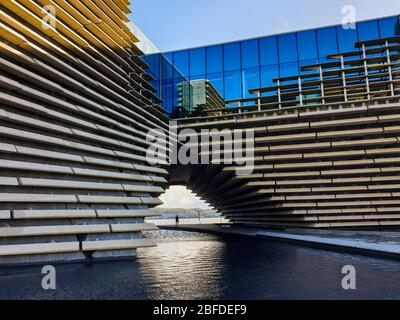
[198, 266]
[183, 266]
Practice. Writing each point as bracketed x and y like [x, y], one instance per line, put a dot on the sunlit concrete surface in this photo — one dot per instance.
[205, 221]
[363, 242]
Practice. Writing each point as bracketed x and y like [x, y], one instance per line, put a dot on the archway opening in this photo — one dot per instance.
[191, 209]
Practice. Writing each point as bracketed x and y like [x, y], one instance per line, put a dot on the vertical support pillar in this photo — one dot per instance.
[259, 100]
[344, 78]
[366, 73]
[322, 86]
[279, 94]
[300, 91]
[389, 62]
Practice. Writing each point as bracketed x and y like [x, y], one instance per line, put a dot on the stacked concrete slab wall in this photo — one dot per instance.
[75, 108]
[326, 150]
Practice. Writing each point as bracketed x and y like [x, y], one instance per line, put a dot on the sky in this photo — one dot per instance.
[179, 24]
[181, 197]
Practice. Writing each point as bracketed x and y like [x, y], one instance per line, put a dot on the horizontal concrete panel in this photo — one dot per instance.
[139, 188]
[344, 122]
[294, 137]
[6, 181]
[107, 245]
[43, 198]
[343, 218]
[288, 127]
[350, 133]
[108, 200]
[65, 184]
[133, 227]
[7, 148]
[30, 166]
[5, 215]
[307, 146]
[339, 154]
[53, 214]
[126, 213]
[358, 143]
[40, 248]
[53, 230]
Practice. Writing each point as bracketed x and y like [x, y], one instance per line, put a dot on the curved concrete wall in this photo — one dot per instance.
[326, 147]
[75, 108]
[337, 168]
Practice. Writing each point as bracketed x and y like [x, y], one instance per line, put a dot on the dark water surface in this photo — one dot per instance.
[198, 266]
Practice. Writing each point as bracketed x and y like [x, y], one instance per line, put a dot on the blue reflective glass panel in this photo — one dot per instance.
[389, 27]
[169, 56]
[250, 54]
[178, 74]
[327, 41]
[307, 41]
[214, 59]
[347, 39]
[167, 70]
[153, 60]
[287, 45]
[181, 62]
[198, 77]
[233, 85]
[232, 56]
[197, 61]
[251, 80]
[156, 84]
[167, 94]
[289, 70]
[268, 73]
[368, 30]
[269, 51]
[217, 79]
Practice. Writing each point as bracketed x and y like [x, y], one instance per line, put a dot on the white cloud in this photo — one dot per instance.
[178, 197]
[282, 25]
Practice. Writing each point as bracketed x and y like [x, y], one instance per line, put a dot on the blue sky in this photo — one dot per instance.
[178, 24]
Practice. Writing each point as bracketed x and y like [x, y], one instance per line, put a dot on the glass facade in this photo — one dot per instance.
[236, 67]
[167, 77]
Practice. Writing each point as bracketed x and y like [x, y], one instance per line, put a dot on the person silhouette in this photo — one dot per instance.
[177, 220]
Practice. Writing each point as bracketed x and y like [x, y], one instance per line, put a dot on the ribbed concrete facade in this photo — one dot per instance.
[326, 147]
[75, 108]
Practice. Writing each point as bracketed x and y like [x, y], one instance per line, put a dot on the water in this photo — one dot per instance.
[198, 266]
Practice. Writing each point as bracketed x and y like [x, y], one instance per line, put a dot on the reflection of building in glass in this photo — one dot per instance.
[166, 79]
[199, 97]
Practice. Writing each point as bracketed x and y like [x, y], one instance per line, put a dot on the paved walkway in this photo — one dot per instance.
[191, 221]
[385, 243]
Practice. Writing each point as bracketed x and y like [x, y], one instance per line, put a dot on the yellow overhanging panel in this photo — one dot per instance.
[69, 9]
[117, 10]
[27, 16]
[110, 26]
[36, 37]
[83, 26]
[61, 26]
[10, 35]
[66, 30]
[123, 6]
